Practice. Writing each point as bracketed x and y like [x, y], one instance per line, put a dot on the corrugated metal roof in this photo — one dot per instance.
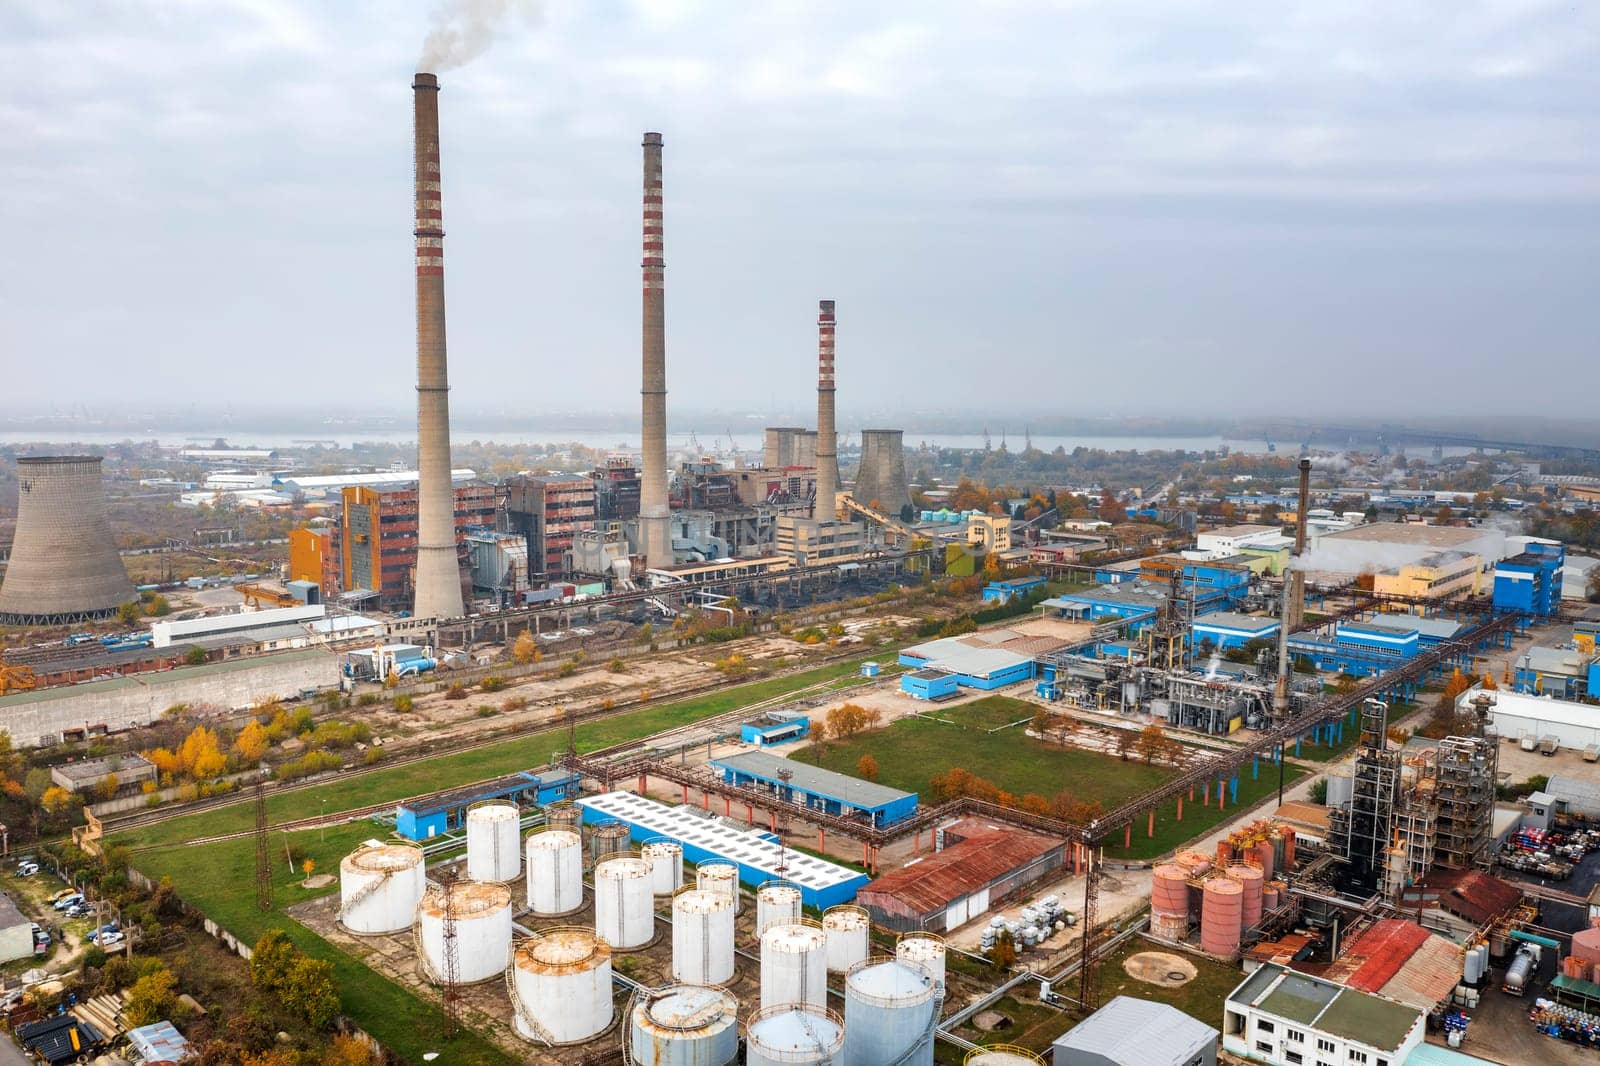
[1402, 961]
[813, 779]
[1474, 895]
[1137, 1032]
[933, 883]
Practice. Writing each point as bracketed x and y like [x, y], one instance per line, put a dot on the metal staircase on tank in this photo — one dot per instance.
[367, 892]
[519, 1006]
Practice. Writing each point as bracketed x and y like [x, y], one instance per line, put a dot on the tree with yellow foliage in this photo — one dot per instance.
[251, 743]
[56, 800]
[525, 649]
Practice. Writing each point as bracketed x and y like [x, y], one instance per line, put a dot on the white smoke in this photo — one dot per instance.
[464, 29]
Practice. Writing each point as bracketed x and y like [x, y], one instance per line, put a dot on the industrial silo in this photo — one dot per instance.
[777, 903]
[799, 1033]
[923, 949]
[1169, 901]
[493, 829]
[794, 965]
[683, 1025]
[1252, 881]
[624, 909]
[848, 929]
[702, 938]
[564, 814]
[1221, 917]
[1002, 1055]
[64, 565]
[719, 876]
[482, 916]
[608, 838]
[380, 887]
[561, 986]
[890, 1013]
[666, 865]
[555, 872]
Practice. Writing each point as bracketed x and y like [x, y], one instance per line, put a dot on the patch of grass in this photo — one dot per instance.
[913, 750]
[449, 771]
[990, 712]
[1170, 833]
[1200, 998]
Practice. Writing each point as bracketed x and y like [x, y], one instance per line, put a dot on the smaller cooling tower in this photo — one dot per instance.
[64, 567]
[881, 481]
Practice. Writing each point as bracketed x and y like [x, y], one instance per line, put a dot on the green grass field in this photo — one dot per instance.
[449, 771]
[913, 750]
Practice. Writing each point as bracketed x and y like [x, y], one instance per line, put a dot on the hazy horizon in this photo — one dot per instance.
[1137, 210]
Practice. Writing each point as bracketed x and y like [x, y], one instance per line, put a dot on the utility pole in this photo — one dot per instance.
[452, 956]
[263, 863]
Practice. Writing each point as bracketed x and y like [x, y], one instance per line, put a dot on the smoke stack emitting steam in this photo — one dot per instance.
[437, 584]
[653, 514]
[827, 438]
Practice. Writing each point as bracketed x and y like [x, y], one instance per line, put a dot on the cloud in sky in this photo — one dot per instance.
[1110, 206]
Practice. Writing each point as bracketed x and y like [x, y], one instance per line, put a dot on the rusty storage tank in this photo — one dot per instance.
[564, 814]
[1272, 895]
[380, 887]
[926, 950]
[1194, 863]
[481, 911]
[1221, 917]
[777, 903]
[684, 1025]
[609, 838]
[848, 929]
[561, 986]
[64, 565]
[718, 875]
[1225, 853]
[1169, 901]
[1253, 883]
[1002, 1055]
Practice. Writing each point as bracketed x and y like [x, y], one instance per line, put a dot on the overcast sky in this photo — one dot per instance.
[1119, 206]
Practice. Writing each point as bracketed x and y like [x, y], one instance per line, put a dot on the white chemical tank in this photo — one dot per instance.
[482, 913]
[379, 888]
[684, 1025]
[494, 830]
[849, 930]
[702, 938]
[561, 986]
[889, 1013]
[666, 865]
[779, 1036]
[624, 910]
[1002, 1055]
[777, 903]
[555, 871]
[926, 950]
[719, 877]
[794, 965]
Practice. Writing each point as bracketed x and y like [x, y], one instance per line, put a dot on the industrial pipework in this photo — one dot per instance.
[827, 437]
[437, 586]
[654, 518]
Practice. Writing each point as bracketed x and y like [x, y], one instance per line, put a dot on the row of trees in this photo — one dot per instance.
[958, 782]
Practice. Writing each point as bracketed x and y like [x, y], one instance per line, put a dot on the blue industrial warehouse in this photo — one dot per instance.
[816, 788]
[1227, 629]
[1530, 584]
[440, 812]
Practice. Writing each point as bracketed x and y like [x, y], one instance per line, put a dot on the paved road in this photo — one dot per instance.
[11, 1055]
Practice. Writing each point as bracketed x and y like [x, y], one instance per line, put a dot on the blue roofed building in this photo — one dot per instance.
[425, 817]
[817, 789]
[986, 660]
[1228, 629]
[1529, 584]
[998, 592]
[775, 727]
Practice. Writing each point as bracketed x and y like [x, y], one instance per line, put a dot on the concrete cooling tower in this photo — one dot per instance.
[881, 481]
[64, 567]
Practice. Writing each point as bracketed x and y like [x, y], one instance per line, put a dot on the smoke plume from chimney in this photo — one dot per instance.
[437, 583]
[464, 29]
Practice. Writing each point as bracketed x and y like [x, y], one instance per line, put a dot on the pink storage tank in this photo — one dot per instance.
[1251, 880]
[1288, 851]
[1224, 852]
[1263, 857]
[1586, 945]
[1221, 917]
[1194, 862]
[1169, 890]
[1272, 895]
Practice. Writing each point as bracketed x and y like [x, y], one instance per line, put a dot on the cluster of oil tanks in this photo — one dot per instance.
[1227, 895]
[560, 980]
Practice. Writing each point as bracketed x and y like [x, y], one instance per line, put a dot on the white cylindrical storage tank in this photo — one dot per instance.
[702, 938]
[684, 1025]
[482, 913]
[555, 872]
[794, 965]
[379, 888]
[923, 949]
[666, 865]
[1002, 1055]
[889, 1013]
[624, 914]
[561, 986]
[719, 877]
[780, 1036]
[777, 903]
[493, 831]
[848, 929]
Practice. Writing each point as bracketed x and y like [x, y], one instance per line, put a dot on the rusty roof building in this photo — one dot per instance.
[979, 864]
[1401, 961]
[1470, 895]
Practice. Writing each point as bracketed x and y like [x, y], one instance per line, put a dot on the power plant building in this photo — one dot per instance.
[380, 535]
[548, 511]
[64, 565]
[789, 446]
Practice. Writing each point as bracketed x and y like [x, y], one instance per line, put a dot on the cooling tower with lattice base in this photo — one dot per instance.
[64, 567]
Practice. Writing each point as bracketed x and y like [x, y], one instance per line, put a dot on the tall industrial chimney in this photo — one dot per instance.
[1294, 594]
[827, 438]
[437, 589]
[64, 564]
[654, 519]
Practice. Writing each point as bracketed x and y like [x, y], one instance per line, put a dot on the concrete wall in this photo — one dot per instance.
[35, 718]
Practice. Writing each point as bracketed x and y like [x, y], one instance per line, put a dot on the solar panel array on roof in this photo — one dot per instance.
[736, 845]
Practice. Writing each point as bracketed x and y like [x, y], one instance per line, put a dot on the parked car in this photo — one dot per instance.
[108, 939]
[72, 899]
[27, 869]
[63, 894]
